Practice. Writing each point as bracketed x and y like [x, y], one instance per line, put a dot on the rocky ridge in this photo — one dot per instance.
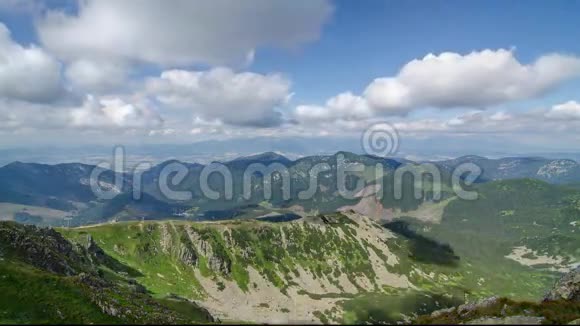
[561, 305]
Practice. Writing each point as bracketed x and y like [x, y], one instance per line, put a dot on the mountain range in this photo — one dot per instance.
[323, 259]
[64, 189]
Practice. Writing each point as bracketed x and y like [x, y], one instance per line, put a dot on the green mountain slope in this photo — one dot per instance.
[45, 279]
[517, 230]
[514, 242]
[340, 267]
[560, 306]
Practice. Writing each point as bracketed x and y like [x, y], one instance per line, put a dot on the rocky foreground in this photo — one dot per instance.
[561, 305]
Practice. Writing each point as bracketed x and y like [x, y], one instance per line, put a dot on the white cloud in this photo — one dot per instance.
[96, 76]
[19, 115]
[449, 80]
[183, 33]
[349, 106]
[389, 95]
[561, 121]
[114, 113]
[568, 110]
[501, 116]
[346, 106]
[478, 79]
[27, 73]
[246, 99]
[467, 118]
[95, 114]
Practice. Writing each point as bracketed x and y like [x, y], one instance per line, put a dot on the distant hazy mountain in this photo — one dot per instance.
[550, 170]
[54, 186]
[264, 158]
[66, 187]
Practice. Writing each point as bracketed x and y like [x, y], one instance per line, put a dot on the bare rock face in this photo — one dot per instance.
[95, 252]
[220, 264]
[567, 288]
[217, 259]
[187, 255]
[467, 308]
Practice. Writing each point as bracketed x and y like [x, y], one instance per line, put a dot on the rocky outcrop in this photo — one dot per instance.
[557, 307]
[567, 288]
[115, 301]
[165, 238]
[511, 320]
[95, 252]
[183, 249]
[219, 264]
[79, 265]
[217, 258]
[42, 247]
[467, 310]
[187, 254]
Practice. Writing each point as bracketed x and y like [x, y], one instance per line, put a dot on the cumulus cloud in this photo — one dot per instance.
[19, 115]
[560, 121]
[114, 112]
[186, 32]
[560, 118]
[346, 106]
[245, 99]
[96, 76]
[451, 80]
[478, 79]
[27, 73]
[97, 114]
[565, 111]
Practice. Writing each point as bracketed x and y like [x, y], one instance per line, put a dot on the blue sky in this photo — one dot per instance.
[377, 38]
[155, 72]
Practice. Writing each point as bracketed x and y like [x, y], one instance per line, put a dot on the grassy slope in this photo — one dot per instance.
[509, 214]
[33, 293]
[480, 233]
[139, 246]
[32, 296]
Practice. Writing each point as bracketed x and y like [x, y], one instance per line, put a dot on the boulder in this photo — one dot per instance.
[567, 288]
